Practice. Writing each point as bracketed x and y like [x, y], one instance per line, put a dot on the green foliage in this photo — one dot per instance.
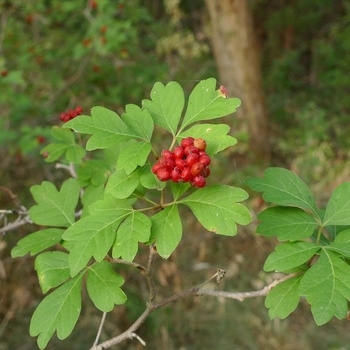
[112, 207]
[315, 245]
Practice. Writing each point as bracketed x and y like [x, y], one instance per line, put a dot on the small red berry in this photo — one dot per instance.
[200, 144]
[186, 175]
[178, 152]
[197, 168]
[40, 139]
[79, 110]
[176, 175]
[180, 163]
[205, 160]
[163, 174]
[167, 163]
[191, 159]
[155, 168]
[45, 154]
[191, 149]
[187, 141]
[198, 181]
[167, 154]
[205, 172]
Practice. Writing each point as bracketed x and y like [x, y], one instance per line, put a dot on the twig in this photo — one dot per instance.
[100, 328]
[70, 168]
[194, 291]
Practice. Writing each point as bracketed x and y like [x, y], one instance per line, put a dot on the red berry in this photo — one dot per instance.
[79, 110]
[163, 174]
[191, 159]
[205, 172]
[187, 141]
[198, 181]
[178, 152]
[167, 163]
[200, 144]
[186, 175]
[205, 160]
[167, 154]
[40, 139]
[155, 168]
[176, 175]
[180, 163]
[191, 149]
[197, 168]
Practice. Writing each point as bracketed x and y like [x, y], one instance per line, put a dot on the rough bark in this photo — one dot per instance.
[237, 58]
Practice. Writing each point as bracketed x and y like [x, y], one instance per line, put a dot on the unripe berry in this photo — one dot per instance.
[198, 181]
[200, 144]
[187, 141]
[163, 174]
[197, 168]
[178, 152]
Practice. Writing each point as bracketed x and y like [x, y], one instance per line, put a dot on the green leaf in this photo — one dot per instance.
[37, 242]
[74, 152]
[58, 312]
[205, 103]
[121, 185]
[94, 172]
[215, 136]
[290, 255]
[133, 156]
[135, 228]
[54, 208]
[105, 126]
[286, 223]
[326, 286]
[217, 209]
[103, 284]
[166, 230]
[283, 187]
[52, 269]
[284, 298]
[166, 105]
[338, 208]
[139, 121]
[341, 244]
[178, 189]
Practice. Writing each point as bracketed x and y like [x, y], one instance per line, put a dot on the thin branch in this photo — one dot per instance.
[194, 291]
[70, 168]
[100, 328]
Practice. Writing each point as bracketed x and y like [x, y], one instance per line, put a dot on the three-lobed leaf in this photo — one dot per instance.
[54, 208]
[58, 312]
[103, 285]
[216, 208]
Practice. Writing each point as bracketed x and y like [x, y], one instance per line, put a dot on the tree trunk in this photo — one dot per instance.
[237, 58]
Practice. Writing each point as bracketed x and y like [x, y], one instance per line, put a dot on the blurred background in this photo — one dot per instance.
[289, 63]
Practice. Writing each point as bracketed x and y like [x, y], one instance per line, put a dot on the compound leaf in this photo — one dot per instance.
[206, 103]
[284, 298]
[54, 208]
[290, 255]
[103, 284]
[37, 242]
[57, 312]
[135, 228]
[166, 105]
[52, 269]
[215, 136]
[105, 126]
[326, 286]
[286, 223]
[166, 230]
[283, 187]
[217, 209]
[338, 208]
[341, 243]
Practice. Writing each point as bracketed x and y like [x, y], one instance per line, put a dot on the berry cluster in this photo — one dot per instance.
[189, 162]
[70, 114]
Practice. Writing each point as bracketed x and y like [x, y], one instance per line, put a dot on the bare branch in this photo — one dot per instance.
[100, 328]
[194, 291]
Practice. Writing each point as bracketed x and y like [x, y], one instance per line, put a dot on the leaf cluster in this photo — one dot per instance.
[315, 245]
[113, 202]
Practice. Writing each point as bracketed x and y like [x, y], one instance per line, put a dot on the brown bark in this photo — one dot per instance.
[237, 58]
